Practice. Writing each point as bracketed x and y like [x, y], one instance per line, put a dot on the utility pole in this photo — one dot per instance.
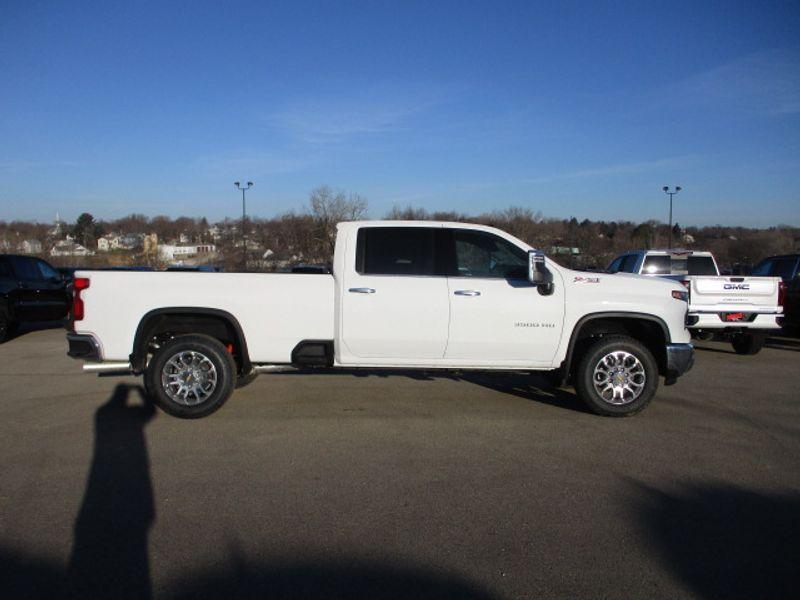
[244, 217]
[667, 191]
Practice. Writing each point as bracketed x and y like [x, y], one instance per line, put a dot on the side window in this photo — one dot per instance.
[615, 265]
[47, 271]
[5, 270]
[629, 263]
[763, 268]
[395, 251]
[24, 267]
[783, 267]
[481, 254]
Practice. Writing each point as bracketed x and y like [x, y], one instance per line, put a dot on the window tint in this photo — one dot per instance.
[24, 268]
[763, 268]
[5, 270]
[783, 267]
[47, 271]
[395, 251]
[615, 265]
[701, 265]
[656, 265]
[481, 254]
[629, 263]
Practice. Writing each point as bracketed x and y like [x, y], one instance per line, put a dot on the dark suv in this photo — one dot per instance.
[787, 267]
[30, 290]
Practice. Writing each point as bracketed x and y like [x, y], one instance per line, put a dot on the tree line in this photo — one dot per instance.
[308, 236]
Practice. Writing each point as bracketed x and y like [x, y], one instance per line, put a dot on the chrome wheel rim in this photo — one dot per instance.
[619, 377]
[189, 378]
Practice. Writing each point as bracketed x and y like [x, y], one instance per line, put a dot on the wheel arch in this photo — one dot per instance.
[649, 329]
[215, 322]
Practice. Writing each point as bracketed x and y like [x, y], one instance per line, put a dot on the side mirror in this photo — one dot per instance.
[536, 269]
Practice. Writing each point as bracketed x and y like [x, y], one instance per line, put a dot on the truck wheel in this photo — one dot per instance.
[748, 343]
[191, 376]
[617, 377]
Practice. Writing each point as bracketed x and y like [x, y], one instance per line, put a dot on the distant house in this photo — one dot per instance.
[30, 247]
[172, 252]
[69, 248]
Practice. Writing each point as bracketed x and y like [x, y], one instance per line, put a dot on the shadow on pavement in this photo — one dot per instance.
[29, 327]
[109, 557]
[725, 541]
[109, 551]
[531, 387]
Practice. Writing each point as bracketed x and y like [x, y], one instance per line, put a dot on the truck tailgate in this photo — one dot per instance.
[748, 294]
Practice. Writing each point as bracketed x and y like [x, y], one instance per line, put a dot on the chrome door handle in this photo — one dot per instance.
[361, 290]
[467, 293]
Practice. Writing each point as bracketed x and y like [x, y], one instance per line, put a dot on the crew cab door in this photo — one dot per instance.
[394, 305]
[496, 316]
[39, 294]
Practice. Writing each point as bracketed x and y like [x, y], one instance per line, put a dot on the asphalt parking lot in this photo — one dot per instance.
[400, 486]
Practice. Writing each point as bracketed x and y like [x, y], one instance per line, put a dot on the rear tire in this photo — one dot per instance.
[617, 377]
[748, 343]
[191, 376]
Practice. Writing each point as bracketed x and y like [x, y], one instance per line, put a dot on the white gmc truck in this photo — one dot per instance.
[402, 294]
[743, 309]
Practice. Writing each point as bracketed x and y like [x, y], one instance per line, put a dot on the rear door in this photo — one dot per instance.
[394, 303]
[496, 316]
[26, 296]
[53, 302]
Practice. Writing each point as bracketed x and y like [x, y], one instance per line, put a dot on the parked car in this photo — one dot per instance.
[742, 309]
[30, 290]
[403, 294]
[787, 267]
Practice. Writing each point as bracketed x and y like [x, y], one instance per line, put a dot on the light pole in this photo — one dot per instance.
[244, 216]
[670, 194]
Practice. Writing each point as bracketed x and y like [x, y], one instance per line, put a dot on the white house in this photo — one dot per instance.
[30, 247]
[181, 251]
[68, 248]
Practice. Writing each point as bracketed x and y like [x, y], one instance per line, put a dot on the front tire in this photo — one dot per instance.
[617, 376]
[748, 343]
[191, 376]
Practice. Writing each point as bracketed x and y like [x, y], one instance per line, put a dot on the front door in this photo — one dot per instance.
[496, 316]
[394, 305]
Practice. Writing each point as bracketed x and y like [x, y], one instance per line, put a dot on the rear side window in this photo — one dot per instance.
[25, 268]
[763, 268]
[783, 267]
[46, 271]
[701, 265]
[5, 270]
[615, 265]
[628, 263]
[395, 251]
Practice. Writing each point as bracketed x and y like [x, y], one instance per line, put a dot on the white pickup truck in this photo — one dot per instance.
[402, 294]
[744, 309]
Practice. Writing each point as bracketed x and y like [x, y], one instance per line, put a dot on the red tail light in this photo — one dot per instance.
[81, 283]
[782, 293]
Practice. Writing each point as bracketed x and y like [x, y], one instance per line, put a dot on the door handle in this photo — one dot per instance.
[361, 290]
[467, 293]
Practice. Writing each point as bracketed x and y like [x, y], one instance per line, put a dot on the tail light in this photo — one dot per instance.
[782, 293]
[80, 284]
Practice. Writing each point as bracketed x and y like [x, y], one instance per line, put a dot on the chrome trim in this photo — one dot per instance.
[362, 290]
[466, 293]
[108, 367]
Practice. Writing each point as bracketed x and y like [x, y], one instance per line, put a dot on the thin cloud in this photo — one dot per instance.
[766, 83]
[603, 171]
[337, 119]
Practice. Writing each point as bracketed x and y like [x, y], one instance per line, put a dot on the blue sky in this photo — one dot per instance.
[572, 109]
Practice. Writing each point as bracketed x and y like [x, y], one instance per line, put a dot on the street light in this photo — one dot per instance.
[670, 194]
[244, 216]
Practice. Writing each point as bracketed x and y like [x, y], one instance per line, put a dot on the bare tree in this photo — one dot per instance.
[329, 208]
